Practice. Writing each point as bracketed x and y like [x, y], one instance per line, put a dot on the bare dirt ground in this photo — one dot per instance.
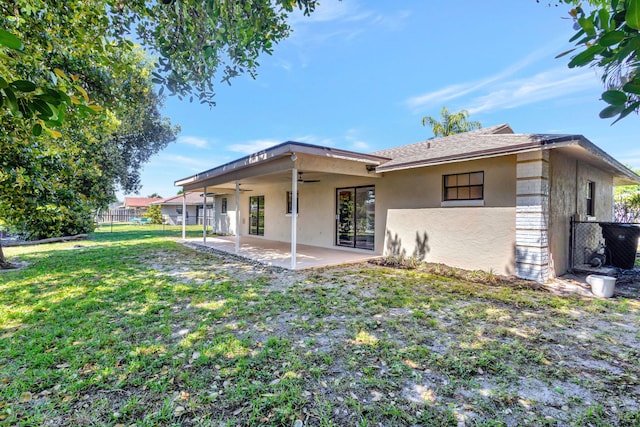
[406, 347]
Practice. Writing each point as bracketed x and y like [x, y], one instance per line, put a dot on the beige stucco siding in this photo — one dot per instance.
[470, 238]
[172, 217]
[567, 196]
[225, 223]
[480, 237]
[407, 202]
[317, 211]
[422, 187]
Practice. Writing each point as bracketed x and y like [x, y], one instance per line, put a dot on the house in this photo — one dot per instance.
[488, 199]
[140, 205]
[172, 209]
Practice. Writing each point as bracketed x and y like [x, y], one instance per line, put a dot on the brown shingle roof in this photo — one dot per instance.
[139, 202]
[192, 199]
[495, 140]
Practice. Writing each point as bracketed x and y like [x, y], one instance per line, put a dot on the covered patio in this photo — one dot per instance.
[278, 254]
[259, 195]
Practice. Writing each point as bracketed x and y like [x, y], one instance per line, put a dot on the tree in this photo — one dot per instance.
[154, 196]
[55, 53]
[52, 181]
[450, 123]
[194, 41]
[608, 38]
[626, 203]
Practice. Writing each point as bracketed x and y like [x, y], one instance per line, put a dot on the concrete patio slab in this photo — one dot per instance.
[278, 254]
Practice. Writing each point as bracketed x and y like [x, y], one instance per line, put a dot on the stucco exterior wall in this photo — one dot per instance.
[407, 202]
[568, 188]
[317, 212]
[172, 217]
[469, 238]
[422, 187]
[225, 223]
[479, 237]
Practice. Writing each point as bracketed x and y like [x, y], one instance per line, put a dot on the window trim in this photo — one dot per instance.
[223, 205]
[468, 201]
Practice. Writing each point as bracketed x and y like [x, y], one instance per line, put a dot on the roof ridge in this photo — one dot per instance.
[498, 130]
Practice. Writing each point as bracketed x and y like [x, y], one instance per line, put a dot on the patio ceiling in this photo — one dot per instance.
[275, 165]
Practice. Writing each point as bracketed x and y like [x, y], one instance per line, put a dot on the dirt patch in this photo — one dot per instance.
[219, 340]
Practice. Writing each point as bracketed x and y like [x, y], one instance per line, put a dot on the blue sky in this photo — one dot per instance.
[360, 75]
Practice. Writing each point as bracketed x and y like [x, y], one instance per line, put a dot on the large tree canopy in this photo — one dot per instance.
[78, 113]
[608, 38]
[193, 41]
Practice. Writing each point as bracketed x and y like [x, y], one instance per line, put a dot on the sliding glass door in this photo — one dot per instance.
[256, 215]
[355, 217]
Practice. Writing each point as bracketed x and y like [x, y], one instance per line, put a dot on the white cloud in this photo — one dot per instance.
[630, 158]
[498, 84]
[438, 96]
[186, 161]
[344, 20]
[251, 147]
[393, 22]
[544, 86]
[349, 141]
[360, 145]
[194, 141]
[330, 10]
[316, 140]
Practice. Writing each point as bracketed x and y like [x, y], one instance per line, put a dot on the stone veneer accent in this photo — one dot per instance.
[532, 216]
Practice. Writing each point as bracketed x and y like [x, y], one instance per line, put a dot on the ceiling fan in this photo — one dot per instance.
[301, 180]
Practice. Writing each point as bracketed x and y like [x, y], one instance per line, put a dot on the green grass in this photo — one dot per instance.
[132, 328]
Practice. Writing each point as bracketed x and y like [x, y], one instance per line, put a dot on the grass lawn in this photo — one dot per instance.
[132, 328]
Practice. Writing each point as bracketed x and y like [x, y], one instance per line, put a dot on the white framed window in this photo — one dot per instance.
[463, 186]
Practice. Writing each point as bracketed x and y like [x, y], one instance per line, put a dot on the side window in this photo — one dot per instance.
[463, 186]
[223, 206]
[591, 192]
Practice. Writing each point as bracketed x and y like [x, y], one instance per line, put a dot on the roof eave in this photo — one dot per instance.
[278, 151]
[480, 154]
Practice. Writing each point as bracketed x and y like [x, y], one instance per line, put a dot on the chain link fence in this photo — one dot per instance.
[599, 244]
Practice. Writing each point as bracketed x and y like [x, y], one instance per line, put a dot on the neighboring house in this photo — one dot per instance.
[487, 199]
[140, 205]
[172, 209]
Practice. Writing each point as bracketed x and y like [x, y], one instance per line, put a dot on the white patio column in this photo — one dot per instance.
[237, 216]
[204, 216]
[184, 214]
[294, 216]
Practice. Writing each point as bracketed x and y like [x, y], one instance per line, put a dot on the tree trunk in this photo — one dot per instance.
[4, 264]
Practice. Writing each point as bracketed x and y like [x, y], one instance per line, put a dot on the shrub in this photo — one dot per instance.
[154, 213]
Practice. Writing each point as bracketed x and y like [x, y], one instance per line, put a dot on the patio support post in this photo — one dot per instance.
[237, 230]
[184, 214]
[294, 215]
[204, 216]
